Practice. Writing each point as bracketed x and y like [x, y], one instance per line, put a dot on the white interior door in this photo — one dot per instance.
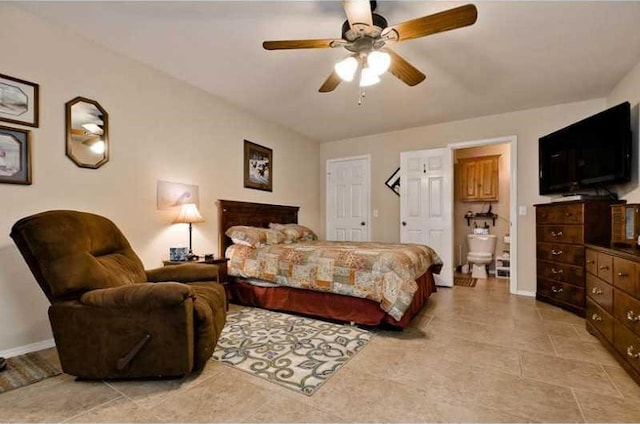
[426, 199]
[348, 197]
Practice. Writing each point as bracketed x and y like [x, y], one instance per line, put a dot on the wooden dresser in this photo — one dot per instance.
[613, 302]
[562, 229]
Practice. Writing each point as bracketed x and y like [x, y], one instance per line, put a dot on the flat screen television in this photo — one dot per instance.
[591, 154]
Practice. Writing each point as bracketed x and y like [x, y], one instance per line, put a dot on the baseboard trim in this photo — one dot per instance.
[526, 293]
[33, 347]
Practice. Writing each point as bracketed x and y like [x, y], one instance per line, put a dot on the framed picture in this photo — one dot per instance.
[258, 166]
[18, 101]
[394, 182]
[15, 156]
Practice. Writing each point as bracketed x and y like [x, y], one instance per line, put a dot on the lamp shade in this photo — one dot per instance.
[346, 68]
[379, 62]
[368, 77]
[188, 214]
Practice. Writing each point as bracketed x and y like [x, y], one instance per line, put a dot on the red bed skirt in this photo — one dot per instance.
[331, 306]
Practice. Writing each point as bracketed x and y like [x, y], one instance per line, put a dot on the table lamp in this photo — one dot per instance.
[188, 215]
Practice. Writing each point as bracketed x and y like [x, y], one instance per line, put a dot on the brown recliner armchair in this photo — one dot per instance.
[111, 318]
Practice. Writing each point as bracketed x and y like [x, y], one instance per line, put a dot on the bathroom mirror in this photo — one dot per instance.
[87, 133]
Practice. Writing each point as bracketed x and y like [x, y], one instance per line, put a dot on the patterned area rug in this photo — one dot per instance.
[295, 352]
[465, 281]
[26, 369]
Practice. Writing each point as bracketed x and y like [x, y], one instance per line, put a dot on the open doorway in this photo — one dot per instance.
[484, 210]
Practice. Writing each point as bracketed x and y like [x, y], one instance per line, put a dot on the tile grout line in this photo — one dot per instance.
[575, 397]
[79, 414]
[611, 381]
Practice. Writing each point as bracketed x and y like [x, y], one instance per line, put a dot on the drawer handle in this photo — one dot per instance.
[555, 252]
[556, 234]
[591, 262]
[556, 271]
[596, 290]
[632, 317]
[556, 289]
[623, 274]
[567, 214]
[603, 267]
[596, 317]
[631, 353]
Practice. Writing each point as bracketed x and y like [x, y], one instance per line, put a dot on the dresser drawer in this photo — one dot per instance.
[561, 272]
[626, 309]
[600, 292]
[591, 261]
[605, 267]
[563, 292]
[600, 319]
[560, 233]
[627, 344]
[624, 275]
[564, 253]
[560, 214]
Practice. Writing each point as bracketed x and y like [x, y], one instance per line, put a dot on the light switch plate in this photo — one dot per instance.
[522, 210]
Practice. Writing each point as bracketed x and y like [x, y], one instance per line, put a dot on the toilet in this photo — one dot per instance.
[481, 249]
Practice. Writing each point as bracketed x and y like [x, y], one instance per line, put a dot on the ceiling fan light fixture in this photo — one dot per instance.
[368, 77]
[346, 68]
[378, 62]
[98, 147]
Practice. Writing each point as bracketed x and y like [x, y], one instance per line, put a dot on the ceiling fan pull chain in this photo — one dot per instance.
[361, 97]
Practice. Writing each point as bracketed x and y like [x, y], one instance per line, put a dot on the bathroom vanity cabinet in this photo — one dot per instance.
[478, 179]
[562, 229]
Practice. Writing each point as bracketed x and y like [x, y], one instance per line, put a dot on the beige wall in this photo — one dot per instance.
[527, 125]
[160, 129]
[501, 207]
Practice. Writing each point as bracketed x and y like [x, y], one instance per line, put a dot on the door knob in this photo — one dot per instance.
[404, 223]
[363, 223]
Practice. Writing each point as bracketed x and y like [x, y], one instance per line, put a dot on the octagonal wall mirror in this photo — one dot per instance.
[87, 133]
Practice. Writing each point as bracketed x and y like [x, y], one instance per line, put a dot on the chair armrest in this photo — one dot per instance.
[184, 273]
[143, 296]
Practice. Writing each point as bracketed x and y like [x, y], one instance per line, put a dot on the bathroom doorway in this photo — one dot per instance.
[485, 203]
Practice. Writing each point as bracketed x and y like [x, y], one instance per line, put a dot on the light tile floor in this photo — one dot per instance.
[472, 355]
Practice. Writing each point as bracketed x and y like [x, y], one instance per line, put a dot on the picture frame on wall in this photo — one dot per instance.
[394, 182]
[19, 101]
[258, 166]
[15, 155]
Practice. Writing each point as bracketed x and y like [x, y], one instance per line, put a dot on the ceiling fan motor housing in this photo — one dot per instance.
[379, 23]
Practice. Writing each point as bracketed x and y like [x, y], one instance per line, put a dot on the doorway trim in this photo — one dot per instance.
[513, 199]
[328, 191]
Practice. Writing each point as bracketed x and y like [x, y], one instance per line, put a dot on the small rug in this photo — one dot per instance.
[295, 352]
[465, 281]
[26, 369]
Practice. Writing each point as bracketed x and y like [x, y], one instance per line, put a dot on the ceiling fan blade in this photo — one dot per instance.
[358, 14]
[330, 83]
[403, 70]
[439, 22]
[300, 44]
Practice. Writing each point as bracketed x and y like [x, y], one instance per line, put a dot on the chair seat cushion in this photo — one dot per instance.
[210, 314]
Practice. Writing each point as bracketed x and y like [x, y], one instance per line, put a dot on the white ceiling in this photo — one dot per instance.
[518, 55]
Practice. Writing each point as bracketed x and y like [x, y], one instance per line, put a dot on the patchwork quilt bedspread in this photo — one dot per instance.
[383, 272]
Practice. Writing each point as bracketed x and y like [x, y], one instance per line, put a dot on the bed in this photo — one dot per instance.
[321, 304]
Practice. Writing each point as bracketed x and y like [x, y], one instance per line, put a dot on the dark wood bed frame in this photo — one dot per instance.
[330, 306]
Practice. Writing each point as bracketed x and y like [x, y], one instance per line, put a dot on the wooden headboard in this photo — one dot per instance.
[254, 214]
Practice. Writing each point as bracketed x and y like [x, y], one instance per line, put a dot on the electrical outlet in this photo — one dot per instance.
[375, 213]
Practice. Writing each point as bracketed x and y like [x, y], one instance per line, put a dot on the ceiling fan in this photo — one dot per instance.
[367, 36]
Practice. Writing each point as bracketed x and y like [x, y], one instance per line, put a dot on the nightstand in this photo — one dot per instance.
[221, 264]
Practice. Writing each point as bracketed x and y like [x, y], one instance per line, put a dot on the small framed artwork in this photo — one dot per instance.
[18, 101]
[394, 182]
[258, 166]
[15, 156]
